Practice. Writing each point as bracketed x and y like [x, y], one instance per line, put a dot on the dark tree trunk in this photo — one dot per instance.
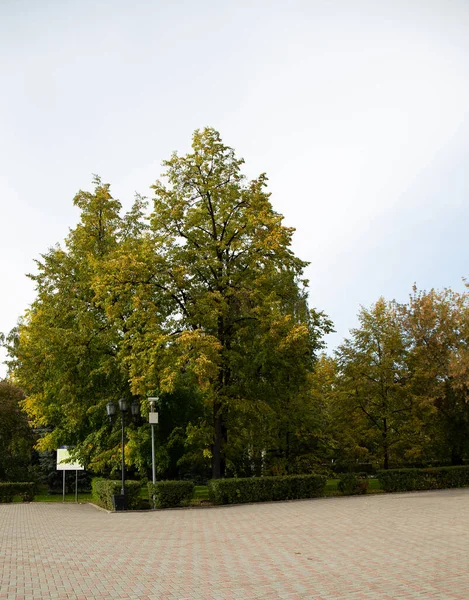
[217, 435]
[456, 456]
[220, 431]
[385, 445]
[219, 440]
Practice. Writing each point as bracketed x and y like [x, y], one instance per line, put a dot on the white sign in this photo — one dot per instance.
[62, 455]
[153, 418]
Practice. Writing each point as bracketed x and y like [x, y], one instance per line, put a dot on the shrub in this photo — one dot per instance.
[104, 489]
[6, 492]
[351, 484]
[25, 490]
[433, 478]
[167, 494]
[264, 489]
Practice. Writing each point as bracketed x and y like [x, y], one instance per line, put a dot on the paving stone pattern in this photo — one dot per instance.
[381, 547]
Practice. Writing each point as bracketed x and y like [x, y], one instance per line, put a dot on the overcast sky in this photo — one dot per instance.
[356, 110]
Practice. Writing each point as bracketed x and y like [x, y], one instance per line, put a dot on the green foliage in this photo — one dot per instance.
[264, 489]
[433, 478]
[399, 395]
[352, 483]
[16, 436]
[205, 304]
[6, 492]
[103, 489]
[65, 351]
[25, 490]
[437, 325]
[375, 379]
[168, 494]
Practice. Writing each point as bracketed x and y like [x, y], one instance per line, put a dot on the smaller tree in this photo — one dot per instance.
[436, 324]
[375, 379]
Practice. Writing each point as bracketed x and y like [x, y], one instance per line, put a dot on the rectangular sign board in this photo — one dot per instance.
[62, 455]
[153, 418]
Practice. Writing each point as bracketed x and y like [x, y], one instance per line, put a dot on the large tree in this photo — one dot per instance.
[222, 299]
[205, 304]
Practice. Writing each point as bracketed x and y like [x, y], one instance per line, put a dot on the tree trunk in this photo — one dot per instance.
[219, 440]
[456, 456]
[216, 449]
[385, 445]
[220, 431]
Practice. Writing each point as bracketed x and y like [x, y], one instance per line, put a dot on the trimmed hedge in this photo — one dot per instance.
[103, 490]
[432, 478]
[25, 490]
[265, 489]
[351, 484]
[167, 494]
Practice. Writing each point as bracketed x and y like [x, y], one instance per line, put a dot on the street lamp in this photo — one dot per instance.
[119, 502]
[153, 419]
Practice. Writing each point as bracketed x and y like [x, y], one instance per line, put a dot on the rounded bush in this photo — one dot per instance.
[351, 484]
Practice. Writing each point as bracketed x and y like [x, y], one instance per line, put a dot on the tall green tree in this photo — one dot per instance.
[223, 299]
[64, 352]
[205, 304]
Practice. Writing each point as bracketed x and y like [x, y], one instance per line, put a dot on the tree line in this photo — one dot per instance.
[196, 297]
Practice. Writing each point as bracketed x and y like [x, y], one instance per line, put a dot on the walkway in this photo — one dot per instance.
[380, 547]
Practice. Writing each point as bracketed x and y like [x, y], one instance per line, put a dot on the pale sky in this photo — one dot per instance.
[358, 111]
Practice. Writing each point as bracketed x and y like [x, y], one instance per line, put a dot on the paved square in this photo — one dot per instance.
[378, 547]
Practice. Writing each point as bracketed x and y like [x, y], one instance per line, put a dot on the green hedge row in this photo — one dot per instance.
[25, 490]
[103, 490]
[432, 478]
[264, 489]
[167, 494]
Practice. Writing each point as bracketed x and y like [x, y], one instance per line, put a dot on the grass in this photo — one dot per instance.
[200, 493]
[331, 489]
[45, 497]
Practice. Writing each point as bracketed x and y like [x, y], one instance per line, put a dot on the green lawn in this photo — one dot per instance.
[45, 497]
[374, 487]
[200, 493]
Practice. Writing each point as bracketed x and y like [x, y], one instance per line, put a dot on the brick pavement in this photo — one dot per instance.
[377, 547]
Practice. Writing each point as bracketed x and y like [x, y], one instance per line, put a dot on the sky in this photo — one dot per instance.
[357, 111]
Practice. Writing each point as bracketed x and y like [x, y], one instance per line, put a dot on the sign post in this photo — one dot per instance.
[64, 464]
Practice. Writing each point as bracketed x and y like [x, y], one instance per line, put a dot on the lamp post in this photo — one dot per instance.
[152, 419]
[119, 502]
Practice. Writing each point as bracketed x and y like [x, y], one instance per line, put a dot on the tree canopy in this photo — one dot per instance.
[205, 299]
[196, 296]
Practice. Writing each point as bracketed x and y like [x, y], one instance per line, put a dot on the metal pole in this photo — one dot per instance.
[153, 470]
[76, 486]
[63, 490]
[123, 463]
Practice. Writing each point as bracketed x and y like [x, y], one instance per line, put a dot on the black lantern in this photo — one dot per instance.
[135, 409]
[119, 500]
[110, 409]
